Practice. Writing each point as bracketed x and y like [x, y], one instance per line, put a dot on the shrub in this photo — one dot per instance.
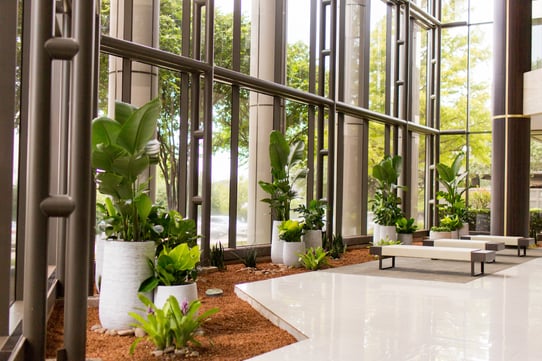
[314, 258]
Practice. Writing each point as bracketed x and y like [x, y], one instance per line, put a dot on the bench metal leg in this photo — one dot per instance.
[524, 248]
[380, 262]
[472, 266]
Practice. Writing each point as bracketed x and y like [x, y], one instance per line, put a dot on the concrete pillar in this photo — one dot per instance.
[511, 128]
[262, 64]
[144, 30]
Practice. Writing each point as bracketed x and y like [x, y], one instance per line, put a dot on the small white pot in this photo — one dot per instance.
[188, 293]
[313, 238]
[405, 238]
[276, 244]
[291, 253]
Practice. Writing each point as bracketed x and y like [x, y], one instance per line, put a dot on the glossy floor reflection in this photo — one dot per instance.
[354, 317]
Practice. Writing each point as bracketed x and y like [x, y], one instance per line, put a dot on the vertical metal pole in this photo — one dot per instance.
[8, 19]
[79, 221]
[39, 119]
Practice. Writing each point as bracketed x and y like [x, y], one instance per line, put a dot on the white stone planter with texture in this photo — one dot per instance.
[312, 238]
[187, 292]
[125, 266]
[276, 244]
[291, 253]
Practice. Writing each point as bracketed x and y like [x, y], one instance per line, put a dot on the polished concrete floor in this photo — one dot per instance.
[347, 316]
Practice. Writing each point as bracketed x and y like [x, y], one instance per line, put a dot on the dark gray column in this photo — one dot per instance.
[511, 129]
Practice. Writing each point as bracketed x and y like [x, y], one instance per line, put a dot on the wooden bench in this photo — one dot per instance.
[447, 253]
[515, 241]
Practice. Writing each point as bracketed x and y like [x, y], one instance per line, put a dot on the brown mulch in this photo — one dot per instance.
[236, 332]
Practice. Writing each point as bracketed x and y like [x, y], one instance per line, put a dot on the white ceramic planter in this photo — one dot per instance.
[312, 238]
[387, 233]
[464, 230]
[376, 233]
[439, 235]
[276, 244]
[291, 253]
[125, 266]
[405, 238]
[188, 293]
[99, 244]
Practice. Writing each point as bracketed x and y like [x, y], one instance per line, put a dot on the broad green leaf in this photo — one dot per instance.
[140, 127]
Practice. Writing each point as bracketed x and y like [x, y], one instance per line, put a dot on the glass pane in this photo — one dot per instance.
[417, 193]
[298, 27]
[453, 86]
[454, 11]
[419, 76]
[481, 11]
[376, 153]
[223, 35]
[170, 27]
[479, 197]
[480, 77]
[377, 65]
[450, 146]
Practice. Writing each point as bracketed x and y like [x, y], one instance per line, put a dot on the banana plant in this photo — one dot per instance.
[452, 179]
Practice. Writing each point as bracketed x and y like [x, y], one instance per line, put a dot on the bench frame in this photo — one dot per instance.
[477, 256]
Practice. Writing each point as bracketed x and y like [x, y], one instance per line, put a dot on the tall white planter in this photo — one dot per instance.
[125, 266]
[188, 293]
[313, 238]
[99, 244]
[276, 244]
[376, 233]
[387, 233]
[291, 253]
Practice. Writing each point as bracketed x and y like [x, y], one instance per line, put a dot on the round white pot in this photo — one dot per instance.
[188, 293]
[125, 266]
[439, 235]
[387, 233]
[455, 234]
[312, 238]
[276, 244]
[291, 253]
[405, 238]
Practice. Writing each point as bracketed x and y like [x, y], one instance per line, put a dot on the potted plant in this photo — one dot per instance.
[290, 232]
[122, 149]
[286, 170]
[405, 227]
[174, 273]
[440, 232]
[451, 177]
[385, 204]
[313, 222]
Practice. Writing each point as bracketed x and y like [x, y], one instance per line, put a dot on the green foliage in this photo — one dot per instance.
[480, 199]
[535, 222]
[313, 215]
[250, 258]
[406, 225]
[440, 229]
[173, 325]
[451, 222]
[175, 267]
[314, 258]
[172, 229]
[286, 170]
[217, 256]
[385, 204]
[388, 242]
[290, 231]
[334, 246]
[157, 325]
[122, 149]
[451, 177]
